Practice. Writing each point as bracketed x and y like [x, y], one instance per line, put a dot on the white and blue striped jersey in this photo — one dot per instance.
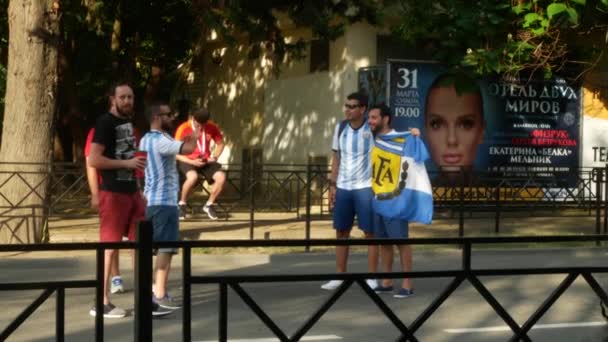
[162, 180]
[353, 147]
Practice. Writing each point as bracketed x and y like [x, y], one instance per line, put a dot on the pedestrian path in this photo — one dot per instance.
[465, 316]
[287, 226]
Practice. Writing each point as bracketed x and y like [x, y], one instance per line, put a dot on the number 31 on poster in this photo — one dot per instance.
[408, 78]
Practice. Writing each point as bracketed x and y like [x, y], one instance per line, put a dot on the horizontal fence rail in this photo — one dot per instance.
[279, 187]
[458, 275]
[302, 190]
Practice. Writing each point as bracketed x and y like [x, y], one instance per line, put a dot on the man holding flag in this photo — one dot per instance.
[402, 191]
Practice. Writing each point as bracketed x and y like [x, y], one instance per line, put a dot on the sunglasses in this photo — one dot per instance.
[169, 114]
[349, 106]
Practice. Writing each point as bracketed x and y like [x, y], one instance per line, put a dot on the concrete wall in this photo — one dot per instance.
[300, 113]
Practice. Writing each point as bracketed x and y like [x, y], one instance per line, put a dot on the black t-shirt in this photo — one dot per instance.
[117, 136]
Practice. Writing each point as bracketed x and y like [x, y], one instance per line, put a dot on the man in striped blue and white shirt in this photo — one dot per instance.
[161, 190]
[350, 190]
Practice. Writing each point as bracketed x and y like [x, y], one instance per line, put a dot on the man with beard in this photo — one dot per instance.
[162, 186]
[379, 121]
[121, 204]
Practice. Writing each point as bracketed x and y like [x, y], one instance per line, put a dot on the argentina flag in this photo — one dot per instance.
[400, 183]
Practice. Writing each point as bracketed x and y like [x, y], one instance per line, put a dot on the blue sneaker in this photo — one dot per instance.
[403, 293]
[383, 289]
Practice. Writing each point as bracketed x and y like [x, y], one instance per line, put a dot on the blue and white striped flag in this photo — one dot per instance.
[400, 183]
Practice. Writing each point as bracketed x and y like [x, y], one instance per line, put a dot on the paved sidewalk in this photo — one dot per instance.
[465, 316]
[287, 226]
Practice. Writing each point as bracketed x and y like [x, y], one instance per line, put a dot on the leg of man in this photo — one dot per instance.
[108, 259]
[344, 216]
[165, 223]
[365, 216]
[115, 267]
[161, 273]
[189, 184]
[116, 281]
[113, 225]
[219, 179]
[405, 252]
[216, 179]
[372, 255]
[399, 229]
[342, 251]
[386, 252]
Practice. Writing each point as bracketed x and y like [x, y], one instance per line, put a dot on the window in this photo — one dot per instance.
[319, 55]
[389, 47]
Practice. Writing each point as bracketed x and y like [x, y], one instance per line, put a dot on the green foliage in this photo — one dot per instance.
[151, 33]
[497, 37]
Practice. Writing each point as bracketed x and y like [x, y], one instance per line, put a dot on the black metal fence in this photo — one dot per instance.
[302, 190]
[143, 310]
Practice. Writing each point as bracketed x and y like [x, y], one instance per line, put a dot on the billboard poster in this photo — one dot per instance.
[595, 139]
[510, 127]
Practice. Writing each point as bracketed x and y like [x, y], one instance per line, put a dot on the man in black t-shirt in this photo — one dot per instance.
[121, 203]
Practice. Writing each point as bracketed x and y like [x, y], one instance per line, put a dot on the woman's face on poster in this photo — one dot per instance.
[454, 127]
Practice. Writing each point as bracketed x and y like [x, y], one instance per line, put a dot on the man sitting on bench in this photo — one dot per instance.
[201, 161]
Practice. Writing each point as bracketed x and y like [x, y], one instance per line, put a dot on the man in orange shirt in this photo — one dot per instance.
[201, 160]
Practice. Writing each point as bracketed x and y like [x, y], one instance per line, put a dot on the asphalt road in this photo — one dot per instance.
[465, 316]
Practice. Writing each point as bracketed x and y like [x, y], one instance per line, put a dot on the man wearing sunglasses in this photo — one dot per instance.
[350, 191]
[162, 186]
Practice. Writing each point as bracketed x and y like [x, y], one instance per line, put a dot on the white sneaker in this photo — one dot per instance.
[332, 285]
[373, 283]
[116, 285]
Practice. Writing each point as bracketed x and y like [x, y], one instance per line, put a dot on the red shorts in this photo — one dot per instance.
[118, 215]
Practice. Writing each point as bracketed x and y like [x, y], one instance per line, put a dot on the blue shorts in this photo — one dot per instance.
[165, 224]
[385, 227]
[350, 203]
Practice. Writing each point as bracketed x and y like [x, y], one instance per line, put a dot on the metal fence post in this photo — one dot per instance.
[598, 200]
[308, 202]
[606, 200]
[143, 282]
[60, 315]
[497, 218]
[298, 194]
[461, 197]
[252, 187]
[466, 257]
[223, 313]
[187, 294]
[99, 264]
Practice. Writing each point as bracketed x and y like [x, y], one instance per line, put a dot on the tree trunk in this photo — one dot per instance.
[28, 119]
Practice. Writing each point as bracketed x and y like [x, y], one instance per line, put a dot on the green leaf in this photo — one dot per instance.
[519, 9]
[572, 15]
[530, 19]
[554, 9]
[469, 60]
[539, 31]
[580, 2]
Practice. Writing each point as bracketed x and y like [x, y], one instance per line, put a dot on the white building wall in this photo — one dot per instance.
[291, 117]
